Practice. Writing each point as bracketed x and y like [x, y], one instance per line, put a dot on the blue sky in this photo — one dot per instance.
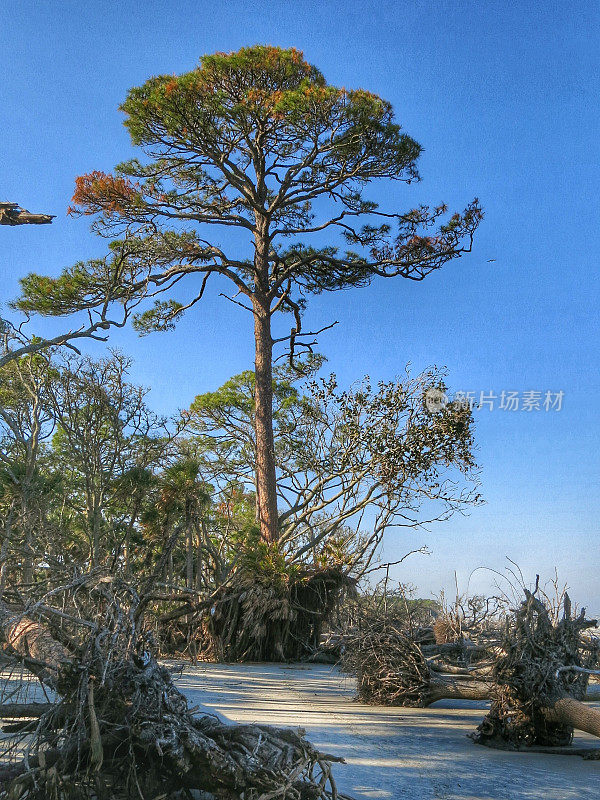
[504, 99]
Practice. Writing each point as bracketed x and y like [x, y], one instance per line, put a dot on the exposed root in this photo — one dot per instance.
[536, 700]
[274, 618]
[121, 729]
[392, 670]
[447, 629]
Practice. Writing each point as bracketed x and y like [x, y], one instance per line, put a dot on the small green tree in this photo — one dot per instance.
[26, 422]
[255, 141]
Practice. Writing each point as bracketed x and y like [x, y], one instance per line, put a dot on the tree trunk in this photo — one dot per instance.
[127, 547]
[4, 552]
[568, 711]
[462, 687]
[200, 538]
[449, 687]
[19, 710]
[266, 480]
[127, 552]
[28, 561]
[93, 519]
[31, 639]
[27, 543]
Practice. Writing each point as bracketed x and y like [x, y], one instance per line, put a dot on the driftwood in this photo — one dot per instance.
[120, 728]
[13, 214]
[394, 669]
[541, 681]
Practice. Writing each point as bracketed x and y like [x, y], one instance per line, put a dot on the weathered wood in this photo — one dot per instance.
[454, 687]
[540, 681]
[119, 714]
[13, 214]
[31, 639]
[22, 710]
[568, 711]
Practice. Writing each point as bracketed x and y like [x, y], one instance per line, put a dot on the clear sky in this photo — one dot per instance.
[503, 96]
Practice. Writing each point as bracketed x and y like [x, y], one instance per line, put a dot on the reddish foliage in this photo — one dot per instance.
[99, 192]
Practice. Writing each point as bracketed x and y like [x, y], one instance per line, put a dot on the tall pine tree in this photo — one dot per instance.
[257, 141]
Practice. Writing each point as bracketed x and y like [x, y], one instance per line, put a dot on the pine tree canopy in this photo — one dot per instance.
[255, 140]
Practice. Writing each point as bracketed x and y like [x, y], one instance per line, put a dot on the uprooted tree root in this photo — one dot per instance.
[392, 670]
[264, 618]
[120, 728]
[540, 681]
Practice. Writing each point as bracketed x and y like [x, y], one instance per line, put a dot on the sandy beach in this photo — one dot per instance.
[391, 753]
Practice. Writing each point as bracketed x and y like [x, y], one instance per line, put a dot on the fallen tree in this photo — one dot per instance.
[541, 680]
[391, 669]
[394, 665]
[119, 728]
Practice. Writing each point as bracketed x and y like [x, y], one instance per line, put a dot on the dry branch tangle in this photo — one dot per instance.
[536, 700]
[392, 669]
[122, 729]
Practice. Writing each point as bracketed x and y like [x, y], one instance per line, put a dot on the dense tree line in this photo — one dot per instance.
[92, 477]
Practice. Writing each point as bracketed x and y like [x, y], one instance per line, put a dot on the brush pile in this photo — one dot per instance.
[115, 726]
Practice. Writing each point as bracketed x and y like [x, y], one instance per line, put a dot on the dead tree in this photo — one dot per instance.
[119, 728]
[13, 214]
[391, 669]
[394, 668]
[541, 680]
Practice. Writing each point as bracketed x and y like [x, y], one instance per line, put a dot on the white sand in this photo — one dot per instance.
[413, 754]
